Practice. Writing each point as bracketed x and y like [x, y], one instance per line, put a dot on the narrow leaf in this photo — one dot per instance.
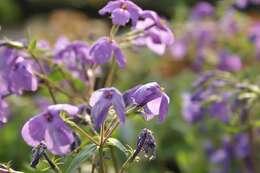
[85, 153]
[116, 143]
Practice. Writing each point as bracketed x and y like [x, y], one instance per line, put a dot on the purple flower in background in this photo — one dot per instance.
[157, 36]
[72, 53]
[191, 110]
[21, 78]
[241, 3]
[153, 100]
[122, 11]
[17, 72]
[202, 10]
[103, 50]
[102, 100]
[221, 108]
[48, 127]
[229, 62]
[242, 147]
[3, 112]
[179, 49]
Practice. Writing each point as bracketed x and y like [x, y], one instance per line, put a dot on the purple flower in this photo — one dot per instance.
[153, 100]
[157, 36]
[202, 10]
[229, 62]
[102, 100]
[103, 50]
[241, 3]
[48, 127]
[122, 11]
[242, 147]
[17, 72]
[72, 53]
[191, 110]
[3, 112]
[179, 49]
[221, 109]
[21, 78]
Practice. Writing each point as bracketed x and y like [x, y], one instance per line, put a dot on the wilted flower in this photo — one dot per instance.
[48, 127]
[102, 100]
[103, 50]
[153, 100]
[202, 10]
[157, 36]
[38, 153]
[145, 142]
[122, 11]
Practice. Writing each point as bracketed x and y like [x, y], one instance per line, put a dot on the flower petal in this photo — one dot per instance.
[120, 17]
[164, 107]
[33, 130]
[120, 58]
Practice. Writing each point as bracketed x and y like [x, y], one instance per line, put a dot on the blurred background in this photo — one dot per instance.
[201, 33]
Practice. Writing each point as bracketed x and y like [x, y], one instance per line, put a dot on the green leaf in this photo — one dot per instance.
[82, 156]
[116, 143]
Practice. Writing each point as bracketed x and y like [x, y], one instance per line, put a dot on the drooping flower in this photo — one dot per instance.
[122, 11]
[157, 36]
[72, 53]
[17, 72]
[75, 56]
[202, 10]
[103, 50]
[102, 100]
[153, 100]
[48, 127]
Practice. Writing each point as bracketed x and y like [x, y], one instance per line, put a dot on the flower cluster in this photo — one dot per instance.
[30, 65]
[209, 40]
[220, 98]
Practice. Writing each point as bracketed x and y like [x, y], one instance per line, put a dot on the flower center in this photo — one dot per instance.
[123, 6]
[108, 95]
[48, 117]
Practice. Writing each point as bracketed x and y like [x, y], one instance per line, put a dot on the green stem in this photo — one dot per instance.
[112, 70]
[126, 163]
[114, 160]
[84, 133]
[54, 166]
[101, 164]
[45, 74]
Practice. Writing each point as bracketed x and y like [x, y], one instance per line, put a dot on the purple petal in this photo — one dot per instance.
[99, 112]
[164, 107]
[119, 105]
[111, 6]
[101, 51]
[71, 110]
[33, 130]
[121, 60]
[58, 140]
[147, 93]
[120, 17]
